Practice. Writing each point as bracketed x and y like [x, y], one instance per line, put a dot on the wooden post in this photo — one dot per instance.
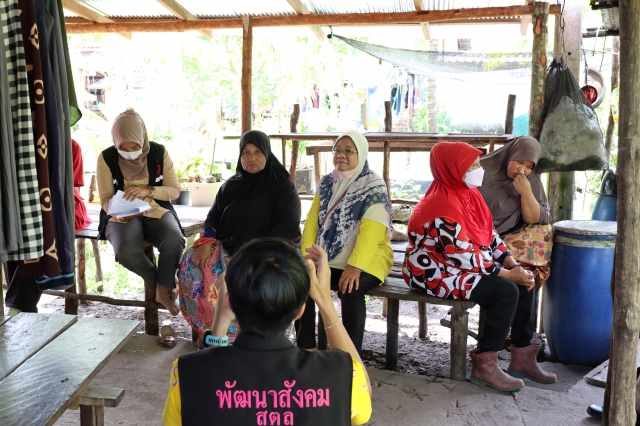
[91, 415]
[82, 262]
[620, 409]
[387, 146]
[615, 68]
[539, 67]
[459, 328]
[96, 256]
[284, 152]
[392, 334]
[150, 313]
[388, 127]
[293, 124]
[247, 51]
[316, 167]
[423, 327]
[508, 121]
[92, 187]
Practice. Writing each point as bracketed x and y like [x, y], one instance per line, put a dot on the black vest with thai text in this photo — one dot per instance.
[155, 166]
[258, 381]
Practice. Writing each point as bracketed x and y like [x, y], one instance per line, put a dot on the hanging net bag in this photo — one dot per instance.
[571, 136]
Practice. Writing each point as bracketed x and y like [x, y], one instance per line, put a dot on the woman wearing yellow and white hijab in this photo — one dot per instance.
[350, 218]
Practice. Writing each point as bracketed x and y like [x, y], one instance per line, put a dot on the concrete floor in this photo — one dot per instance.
[142, 368]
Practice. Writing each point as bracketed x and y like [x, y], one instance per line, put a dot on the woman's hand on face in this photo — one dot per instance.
[521, 277]
[134, 192]
[522, 184]
[350, 279]
[202, 256]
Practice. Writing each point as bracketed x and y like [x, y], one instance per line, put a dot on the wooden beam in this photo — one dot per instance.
[177, 9]
[247, 52]
[85, 12]
[74, 20]
[539, 67]
[90, 15]
[301, 9]
[295, 144]
[419, 5]
[615, 69]
[511, 107]
[620, 396]
[354, 19]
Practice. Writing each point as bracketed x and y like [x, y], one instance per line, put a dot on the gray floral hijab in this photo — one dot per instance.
[497, 188]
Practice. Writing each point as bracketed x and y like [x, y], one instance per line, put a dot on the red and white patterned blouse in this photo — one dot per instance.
[442, 261]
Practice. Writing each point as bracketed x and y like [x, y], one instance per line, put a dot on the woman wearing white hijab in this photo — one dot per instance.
[350, 218]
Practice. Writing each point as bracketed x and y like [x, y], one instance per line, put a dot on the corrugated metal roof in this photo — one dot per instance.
[140, 9]
[212, 9]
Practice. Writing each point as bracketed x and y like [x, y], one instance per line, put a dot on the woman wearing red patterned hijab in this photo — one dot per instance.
[454, 252]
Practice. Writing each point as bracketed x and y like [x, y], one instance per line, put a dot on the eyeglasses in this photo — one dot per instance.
[344, 151]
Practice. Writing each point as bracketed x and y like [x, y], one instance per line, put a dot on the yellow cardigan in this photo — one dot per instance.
[372, 252]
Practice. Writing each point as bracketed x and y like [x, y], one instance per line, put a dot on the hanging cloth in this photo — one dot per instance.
[29, 196]
[10, 232]
[47, 264]
[57, 177]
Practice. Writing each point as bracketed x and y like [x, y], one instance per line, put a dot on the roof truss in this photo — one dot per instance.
[487, 15]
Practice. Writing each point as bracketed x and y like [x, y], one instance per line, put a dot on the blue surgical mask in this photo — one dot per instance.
[130, 155]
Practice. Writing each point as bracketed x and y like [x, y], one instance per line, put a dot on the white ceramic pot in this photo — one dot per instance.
[203, 194]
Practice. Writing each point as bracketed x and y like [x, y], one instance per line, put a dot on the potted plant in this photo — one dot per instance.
[204, 189]
[184, 169]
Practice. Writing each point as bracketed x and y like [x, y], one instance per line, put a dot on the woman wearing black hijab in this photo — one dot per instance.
[260, 200]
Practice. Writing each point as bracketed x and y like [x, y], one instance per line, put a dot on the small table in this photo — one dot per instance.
[392, 141]
[49, 360]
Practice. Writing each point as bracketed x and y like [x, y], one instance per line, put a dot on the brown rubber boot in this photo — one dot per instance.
[486, 372]
[523, 364]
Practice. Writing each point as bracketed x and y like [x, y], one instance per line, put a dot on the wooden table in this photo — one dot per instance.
[48, 361]
[392, 141]
[192, 221]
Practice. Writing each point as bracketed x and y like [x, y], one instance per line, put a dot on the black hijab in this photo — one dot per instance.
[254, 205]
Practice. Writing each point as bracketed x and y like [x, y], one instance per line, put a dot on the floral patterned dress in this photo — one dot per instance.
[198, 288]
[442, 261]
[531, 246]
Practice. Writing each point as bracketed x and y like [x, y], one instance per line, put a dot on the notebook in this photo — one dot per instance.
[119, 207]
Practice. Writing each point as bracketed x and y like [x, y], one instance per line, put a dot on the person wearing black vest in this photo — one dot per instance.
[142, 169]
[263, 378]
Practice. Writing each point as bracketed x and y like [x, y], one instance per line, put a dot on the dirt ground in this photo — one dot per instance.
[428, 357]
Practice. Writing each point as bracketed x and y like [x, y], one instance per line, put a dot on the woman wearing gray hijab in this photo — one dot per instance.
[515, 195]
[142, 170]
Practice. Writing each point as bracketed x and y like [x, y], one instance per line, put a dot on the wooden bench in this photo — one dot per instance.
[192, 222]
[49, 361]
[394, 290]
[92, 402]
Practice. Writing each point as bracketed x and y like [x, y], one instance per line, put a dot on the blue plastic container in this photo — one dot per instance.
[577, 297]
[606, 207]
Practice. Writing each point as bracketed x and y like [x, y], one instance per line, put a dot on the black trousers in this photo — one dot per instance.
[22, 293]
[507, 305]
[354, 312]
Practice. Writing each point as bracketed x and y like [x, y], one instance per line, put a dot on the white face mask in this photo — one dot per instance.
[473, 179]
[130, 155]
